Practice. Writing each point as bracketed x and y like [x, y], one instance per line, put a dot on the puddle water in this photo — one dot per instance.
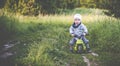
[6, 55]
[7, 46]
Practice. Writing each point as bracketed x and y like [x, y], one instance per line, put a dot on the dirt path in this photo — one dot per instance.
[87, 61]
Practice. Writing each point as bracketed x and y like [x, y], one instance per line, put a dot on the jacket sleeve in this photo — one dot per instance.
[71, 30]
[85, 29]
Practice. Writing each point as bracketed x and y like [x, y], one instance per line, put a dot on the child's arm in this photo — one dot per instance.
[71, 31]
[85, 30]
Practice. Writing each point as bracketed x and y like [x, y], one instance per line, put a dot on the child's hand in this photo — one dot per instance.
[84, 34]
[73, 35]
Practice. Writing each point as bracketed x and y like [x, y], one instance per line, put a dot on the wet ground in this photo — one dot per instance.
[6, 55]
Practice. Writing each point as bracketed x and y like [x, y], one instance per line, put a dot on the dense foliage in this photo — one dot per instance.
[34, 7]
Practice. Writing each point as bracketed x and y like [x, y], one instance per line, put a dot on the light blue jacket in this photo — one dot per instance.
[78, 30]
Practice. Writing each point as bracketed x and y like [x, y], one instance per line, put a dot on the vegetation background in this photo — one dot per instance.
[39, 30]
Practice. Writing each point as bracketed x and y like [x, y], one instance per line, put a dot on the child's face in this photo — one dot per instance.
[77, 21]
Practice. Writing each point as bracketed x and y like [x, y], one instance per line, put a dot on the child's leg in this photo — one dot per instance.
[71, 43]
[86, 43]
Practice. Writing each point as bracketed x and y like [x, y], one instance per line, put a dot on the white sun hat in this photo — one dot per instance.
[77, 16]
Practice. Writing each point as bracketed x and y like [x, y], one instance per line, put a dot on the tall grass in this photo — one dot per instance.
[104, 35]
[44, 39]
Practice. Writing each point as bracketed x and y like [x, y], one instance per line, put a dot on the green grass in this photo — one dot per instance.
[104, 36]
[84, 11]
[43, 40]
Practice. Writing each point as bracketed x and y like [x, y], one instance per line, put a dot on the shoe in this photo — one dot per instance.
[89, 50]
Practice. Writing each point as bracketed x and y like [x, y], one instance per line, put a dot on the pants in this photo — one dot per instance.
[73, 41]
